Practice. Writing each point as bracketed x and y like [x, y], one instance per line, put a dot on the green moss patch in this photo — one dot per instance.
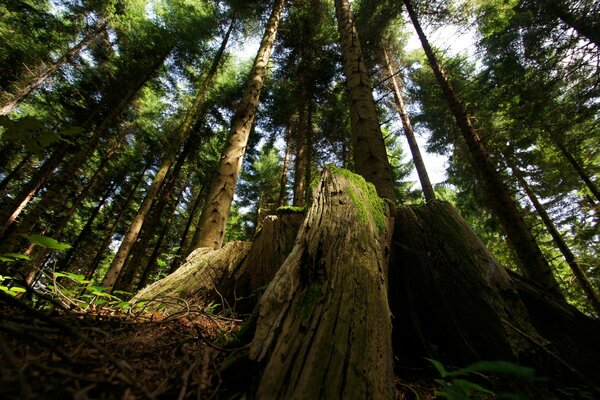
[365, 197]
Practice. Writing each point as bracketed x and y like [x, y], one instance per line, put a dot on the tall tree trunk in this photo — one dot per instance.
[302, 150]
[213, 219]
[110, 233]
[87, 228]
[43, 173]
[283, 177]
[181, 135]
[532, 261]
[370, 156]
[151, 265]
[391, 68]
[568, 255]
[186, 238]
[38, 80]
[57, 230]
[576, 165]
[582, 27]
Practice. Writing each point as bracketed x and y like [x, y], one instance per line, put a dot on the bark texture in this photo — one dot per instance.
[453, 302]
[202, 271]
[370, 156]
[324, 325]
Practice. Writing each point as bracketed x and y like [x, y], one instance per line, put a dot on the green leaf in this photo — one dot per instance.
[17, 256]
[470, 386]
[47, 242]
[438, 365]
[498, 367]
[74, 277]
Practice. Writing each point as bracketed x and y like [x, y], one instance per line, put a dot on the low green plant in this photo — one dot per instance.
[458, 384]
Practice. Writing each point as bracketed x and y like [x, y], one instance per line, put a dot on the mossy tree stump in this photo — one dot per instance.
[324, 328]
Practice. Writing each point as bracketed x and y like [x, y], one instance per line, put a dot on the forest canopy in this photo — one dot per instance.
[149, 165]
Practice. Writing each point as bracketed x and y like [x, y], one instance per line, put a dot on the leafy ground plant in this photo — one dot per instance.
[458, 384]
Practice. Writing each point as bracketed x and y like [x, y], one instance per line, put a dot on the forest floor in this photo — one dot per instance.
[107, 354]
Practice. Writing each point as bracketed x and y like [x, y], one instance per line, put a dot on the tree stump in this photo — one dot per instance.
[324, 324]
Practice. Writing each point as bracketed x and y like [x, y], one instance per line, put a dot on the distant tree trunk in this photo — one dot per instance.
[87, 228]
[532, 261]
[183, 242]
[151, 265]
[14, 172]
[370, 156]
[37, 81]
[66, 174]
[302, 151]
[582, 27]
[110, 233]
[283, 177]
[217, 206]
[568, 255]
[58, 228]
[576, 165]
[391, 69]
[43, 173]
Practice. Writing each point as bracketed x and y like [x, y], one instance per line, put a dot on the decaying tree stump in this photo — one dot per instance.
[453, 302]
[202, 272]
[236, 273]
[324, 328]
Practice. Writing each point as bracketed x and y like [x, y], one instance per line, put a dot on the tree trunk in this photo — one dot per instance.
[390, 68]
[576, 166]
[302, 151]
[283, 177]
[324, 324]
[185, 236]
[583, 28]
[370, 156]
[15, 171]
[109, 235]
[532, 261]
[213, 219]
[568, 255]
[58, 183]
[87, 228]
[37, 81]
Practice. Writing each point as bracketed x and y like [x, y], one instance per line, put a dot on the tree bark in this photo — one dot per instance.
[202, 271]
[37, 81]
[302, 151]
[532, 261]
[283, 177]
[213, 219]
[390, 68]
[453, 302]
[324, 324]
[370, 155]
